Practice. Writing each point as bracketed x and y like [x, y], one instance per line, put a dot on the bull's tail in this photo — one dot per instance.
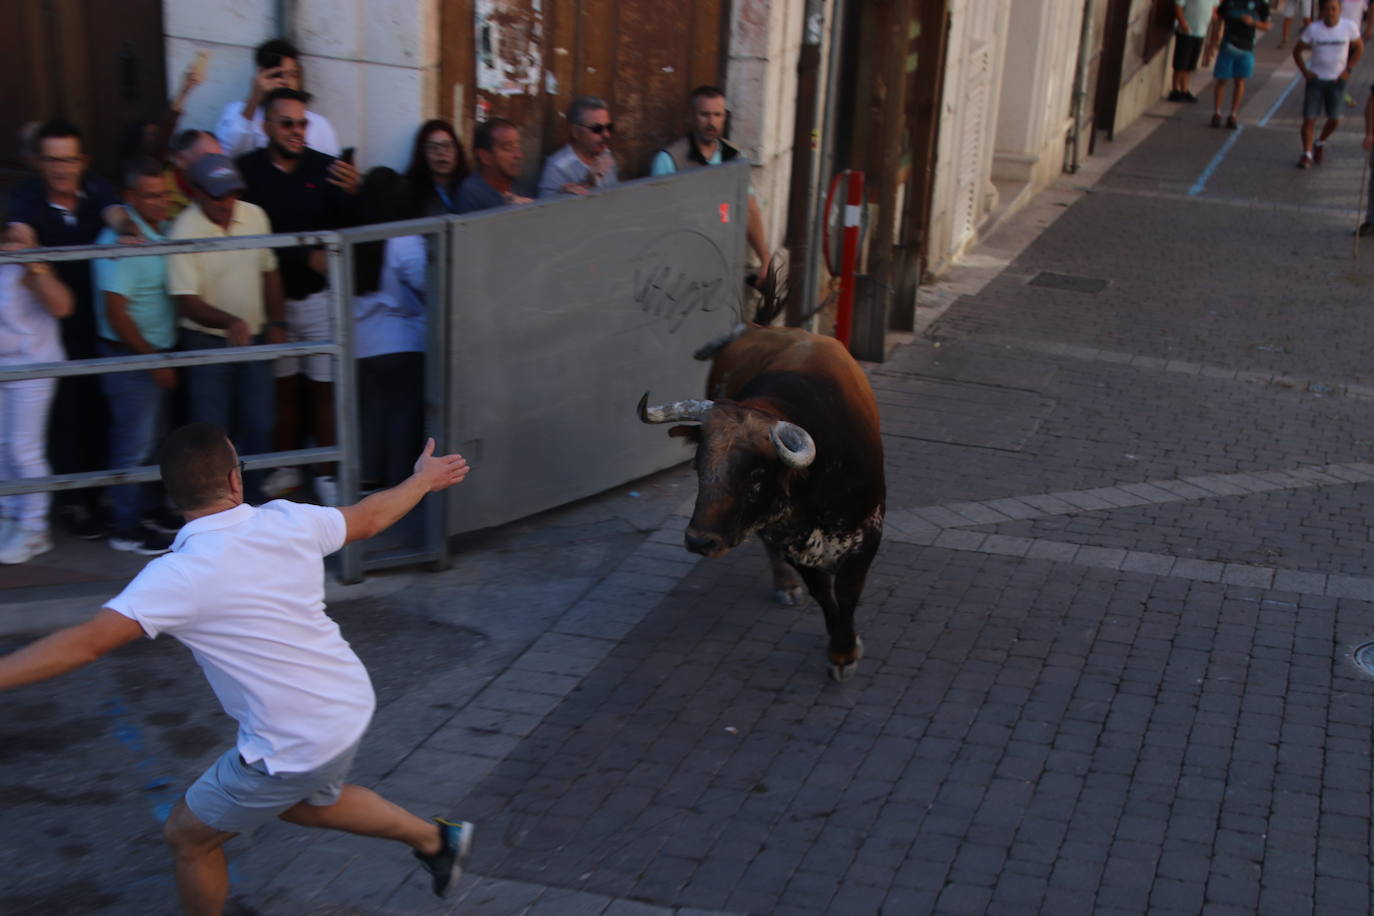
[772, 289]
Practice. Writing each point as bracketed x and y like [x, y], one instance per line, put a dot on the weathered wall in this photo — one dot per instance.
[370, 63]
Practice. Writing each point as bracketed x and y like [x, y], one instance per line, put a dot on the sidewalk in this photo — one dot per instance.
[1108, 635]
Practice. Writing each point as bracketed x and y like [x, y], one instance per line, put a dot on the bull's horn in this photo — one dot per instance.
[796, 448]
[676, 412]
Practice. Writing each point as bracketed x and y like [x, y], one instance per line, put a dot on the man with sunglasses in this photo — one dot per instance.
[240, 128]
[302, 190]
[587, 162]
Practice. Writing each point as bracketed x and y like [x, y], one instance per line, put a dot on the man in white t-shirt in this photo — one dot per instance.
[278, 66]
[243, 589]
[1336, 47]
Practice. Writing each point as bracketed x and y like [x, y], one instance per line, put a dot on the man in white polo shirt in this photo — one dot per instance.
[243, 589]
[1336, 47]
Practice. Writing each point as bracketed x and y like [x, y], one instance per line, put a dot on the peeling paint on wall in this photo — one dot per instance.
[509, 38]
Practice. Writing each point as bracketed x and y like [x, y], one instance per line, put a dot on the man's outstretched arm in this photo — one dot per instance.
[68, 649]
[381, 510]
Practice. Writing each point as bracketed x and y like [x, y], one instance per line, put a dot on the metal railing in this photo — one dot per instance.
[339, 248]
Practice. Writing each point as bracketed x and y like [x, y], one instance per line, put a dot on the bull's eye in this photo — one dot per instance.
[756, 475]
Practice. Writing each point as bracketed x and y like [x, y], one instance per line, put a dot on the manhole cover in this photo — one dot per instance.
[1363, 657]
[1069, 281]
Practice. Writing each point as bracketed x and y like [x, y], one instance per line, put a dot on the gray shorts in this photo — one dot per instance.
[235, 797]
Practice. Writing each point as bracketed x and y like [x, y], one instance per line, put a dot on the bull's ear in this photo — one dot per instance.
[691, 433]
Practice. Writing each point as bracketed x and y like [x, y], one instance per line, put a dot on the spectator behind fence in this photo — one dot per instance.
[302, 190]
[135, 316]
[587, 162]
[65, 205]
[496, 147]
[187, 147]
[389, 280]
[240, 128]
[32, 299]
[154, 138]
[227, 299]
[437, 167]
[704, 145]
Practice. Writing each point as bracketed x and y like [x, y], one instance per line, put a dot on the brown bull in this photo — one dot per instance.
[788, 446]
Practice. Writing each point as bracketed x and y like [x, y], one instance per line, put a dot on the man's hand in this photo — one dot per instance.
[573, 187]
[344, 176]
[510, 197]
[274, 334]
[239, 334]
[165, 378]
[442, 472]
[318, 261]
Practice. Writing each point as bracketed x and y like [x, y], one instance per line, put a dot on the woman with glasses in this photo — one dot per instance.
[438, 165]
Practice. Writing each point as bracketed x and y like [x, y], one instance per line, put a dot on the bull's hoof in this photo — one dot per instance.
[792, 596]
[841, 671]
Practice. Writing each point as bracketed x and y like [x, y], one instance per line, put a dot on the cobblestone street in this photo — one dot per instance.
[1108, 635]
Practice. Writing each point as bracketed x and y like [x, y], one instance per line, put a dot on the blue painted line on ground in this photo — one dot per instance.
[1297, 78]
[1201, 184]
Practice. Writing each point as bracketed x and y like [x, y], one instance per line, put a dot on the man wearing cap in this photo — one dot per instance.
[227, 299]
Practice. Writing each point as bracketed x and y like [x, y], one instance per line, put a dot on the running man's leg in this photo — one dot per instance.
[202, 872]
[366, 813]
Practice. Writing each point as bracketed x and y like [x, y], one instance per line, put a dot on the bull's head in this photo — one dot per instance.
[746, 461]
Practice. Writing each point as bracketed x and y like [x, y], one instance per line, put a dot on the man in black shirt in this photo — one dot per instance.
[302, 190]
[66, 205]
[1236, 58]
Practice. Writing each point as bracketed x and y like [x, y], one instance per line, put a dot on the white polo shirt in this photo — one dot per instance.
[243, 589]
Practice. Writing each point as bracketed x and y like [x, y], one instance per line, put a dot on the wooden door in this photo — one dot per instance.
[96, 63]
[527, 59]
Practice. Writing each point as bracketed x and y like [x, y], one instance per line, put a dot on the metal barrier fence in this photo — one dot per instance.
[545, 323]
[354, 558]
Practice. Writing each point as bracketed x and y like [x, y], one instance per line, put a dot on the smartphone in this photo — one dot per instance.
[347, 154]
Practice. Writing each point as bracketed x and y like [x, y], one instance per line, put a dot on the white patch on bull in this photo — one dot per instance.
[822, 549]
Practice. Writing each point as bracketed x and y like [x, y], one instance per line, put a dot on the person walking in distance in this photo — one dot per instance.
[243, 589]
[1335, 47]
[1240, 20]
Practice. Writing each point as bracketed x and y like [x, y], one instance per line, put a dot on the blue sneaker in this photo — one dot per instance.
[446, 865]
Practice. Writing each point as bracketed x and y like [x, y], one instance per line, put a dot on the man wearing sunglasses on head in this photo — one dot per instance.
[587, 162]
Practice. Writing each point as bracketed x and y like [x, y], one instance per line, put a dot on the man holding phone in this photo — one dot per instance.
[302, 190]
[240, 127]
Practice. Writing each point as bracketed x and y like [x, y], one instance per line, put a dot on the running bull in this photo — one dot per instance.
[788, 446]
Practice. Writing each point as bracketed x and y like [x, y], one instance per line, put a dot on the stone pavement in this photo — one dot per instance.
[1110, 631]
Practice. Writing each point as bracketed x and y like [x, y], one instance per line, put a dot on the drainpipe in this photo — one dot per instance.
[1080, 85]
[805, 183]
[825, 155]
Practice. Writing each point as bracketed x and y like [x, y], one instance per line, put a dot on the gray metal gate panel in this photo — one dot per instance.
[562, 314]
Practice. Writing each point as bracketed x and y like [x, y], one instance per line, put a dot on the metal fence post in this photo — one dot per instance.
[436, 387]
[345, 395]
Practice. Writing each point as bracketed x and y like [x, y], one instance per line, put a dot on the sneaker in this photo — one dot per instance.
[1175, 95]
[1231, 122]
[23, 546]
[280, 482]
[81, 522]
[1216, 120]
[141, 540]
[1190, 98]
[446, 865]
[163, 521]
[1305, 161]
[326, 490]
[1317, 150]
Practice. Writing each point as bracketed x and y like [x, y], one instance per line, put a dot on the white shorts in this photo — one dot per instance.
[308, 319]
